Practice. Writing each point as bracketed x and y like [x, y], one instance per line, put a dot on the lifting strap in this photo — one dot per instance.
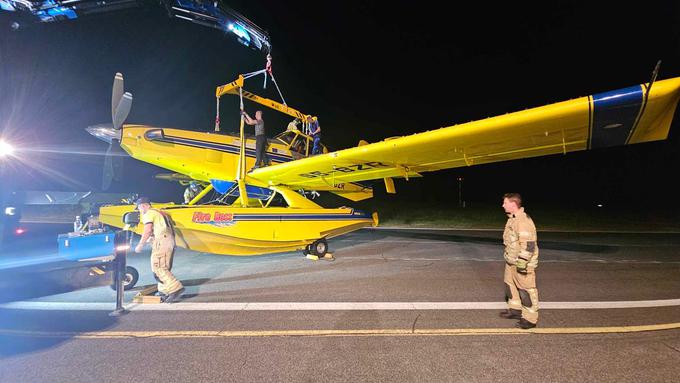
[265, 71]
[241, 172]
[217, 117]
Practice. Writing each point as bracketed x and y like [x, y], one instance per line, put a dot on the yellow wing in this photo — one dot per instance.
[621, 117]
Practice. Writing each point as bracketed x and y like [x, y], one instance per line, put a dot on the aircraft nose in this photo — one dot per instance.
[104, 132]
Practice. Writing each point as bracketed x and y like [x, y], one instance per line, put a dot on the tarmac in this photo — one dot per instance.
[394, 305]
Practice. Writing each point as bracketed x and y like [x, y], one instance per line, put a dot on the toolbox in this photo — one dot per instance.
[87, 246]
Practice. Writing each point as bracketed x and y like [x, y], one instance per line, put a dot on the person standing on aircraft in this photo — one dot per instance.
[293, 125]
[521, 261]
[315, 131]
[191, 191]
[260, 138]
[157, 225]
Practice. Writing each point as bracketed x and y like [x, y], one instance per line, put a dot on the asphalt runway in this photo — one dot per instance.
[395, 305]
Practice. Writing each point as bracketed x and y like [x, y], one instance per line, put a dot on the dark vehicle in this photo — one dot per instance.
[216, 15]
[212, 14]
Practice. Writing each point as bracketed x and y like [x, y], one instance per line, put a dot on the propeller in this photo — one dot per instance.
[121, 104]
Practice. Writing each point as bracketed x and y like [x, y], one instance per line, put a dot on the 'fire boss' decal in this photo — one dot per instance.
[346, 169]
[219, 219]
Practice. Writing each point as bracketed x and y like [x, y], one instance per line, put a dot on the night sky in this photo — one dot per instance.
[369, 70]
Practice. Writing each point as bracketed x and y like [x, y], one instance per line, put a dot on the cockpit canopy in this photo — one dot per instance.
[299, 144]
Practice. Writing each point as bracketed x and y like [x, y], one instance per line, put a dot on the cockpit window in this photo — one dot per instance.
[299, 145]
[286, 137]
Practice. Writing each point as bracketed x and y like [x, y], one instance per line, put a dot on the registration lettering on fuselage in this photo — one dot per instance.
[345, 169]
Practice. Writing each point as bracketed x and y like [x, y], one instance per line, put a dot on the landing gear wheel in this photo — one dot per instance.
[129, 279]
[307, 250]
[319, 248]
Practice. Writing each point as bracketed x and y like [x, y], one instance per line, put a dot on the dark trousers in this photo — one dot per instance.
[316, 149]
[261, 151]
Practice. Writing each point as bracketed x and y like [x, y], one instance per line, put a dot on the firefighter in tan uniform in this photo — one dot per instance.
[521, 260]
[158, 226]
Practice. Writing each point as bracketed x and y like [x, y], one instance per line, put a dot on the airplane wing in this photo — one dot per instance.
[625, 116]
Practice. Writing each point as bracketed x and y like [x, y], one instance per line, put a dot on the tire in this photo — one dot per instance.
[320, 247]
[129, 279]
[307, 250]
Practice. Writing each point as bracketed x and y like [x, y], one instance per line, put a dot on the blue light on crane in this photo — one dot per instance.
[243, 35]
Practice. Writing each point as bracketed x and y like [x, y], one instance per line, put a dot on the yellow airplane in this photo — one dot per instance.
[251, 225]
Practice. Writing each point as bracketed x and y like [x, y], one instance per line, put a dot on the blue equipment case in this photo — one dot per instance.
[81, 247]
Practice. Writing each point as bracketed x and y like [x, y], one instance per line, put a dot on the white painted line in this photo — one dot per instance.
[329, 306]
[540, 230]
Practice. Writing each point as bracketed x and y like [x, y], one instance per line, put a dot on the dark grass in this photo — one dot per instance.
[546, 217]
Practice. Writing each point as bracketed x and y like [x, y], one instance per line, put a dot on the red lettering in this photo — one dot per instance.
[200, 217]
[223, 217]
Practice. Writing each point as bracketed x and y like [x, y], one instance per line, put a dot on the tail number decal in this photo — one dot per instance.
[345, 169]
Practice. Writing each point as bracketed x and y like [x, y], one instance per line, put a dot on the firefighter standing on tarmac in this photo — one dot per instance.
[521, 260]
[158, 226]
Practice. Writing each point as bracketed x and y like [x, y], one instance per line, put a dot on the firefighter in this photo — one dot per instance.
[157, 225]
[521, 260]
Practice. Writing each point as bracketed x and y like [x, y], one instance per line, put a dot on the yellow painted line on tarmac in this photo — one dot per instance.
[338, 333]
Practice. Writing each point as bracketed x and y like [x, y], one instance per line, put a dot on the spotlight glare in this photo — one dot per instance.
[5, 149]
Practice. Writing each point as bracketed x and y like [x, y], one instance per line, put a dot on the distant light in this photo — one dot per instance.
[5, 149]
[122, 248]
[19, 231]
[10, 210]
[231, 26]
[599, 205]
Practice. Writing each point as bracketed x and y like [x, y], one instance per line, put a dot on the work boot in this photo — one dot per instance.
[173, 297]
[510, 314]
[525, 324]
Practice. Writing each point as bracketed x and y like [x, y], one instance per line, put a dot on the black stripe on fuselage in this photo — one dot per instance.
[227, 148]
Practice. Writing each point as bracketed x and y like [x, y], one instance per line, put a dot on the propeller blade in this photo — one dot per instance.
[122, 110]
[117, 162]
[107, 176]
[116, 94]
[113, 164]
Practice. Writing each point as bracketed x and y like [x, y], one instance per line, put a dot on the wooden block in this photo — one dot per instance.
[146, 299]
[146, 295]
